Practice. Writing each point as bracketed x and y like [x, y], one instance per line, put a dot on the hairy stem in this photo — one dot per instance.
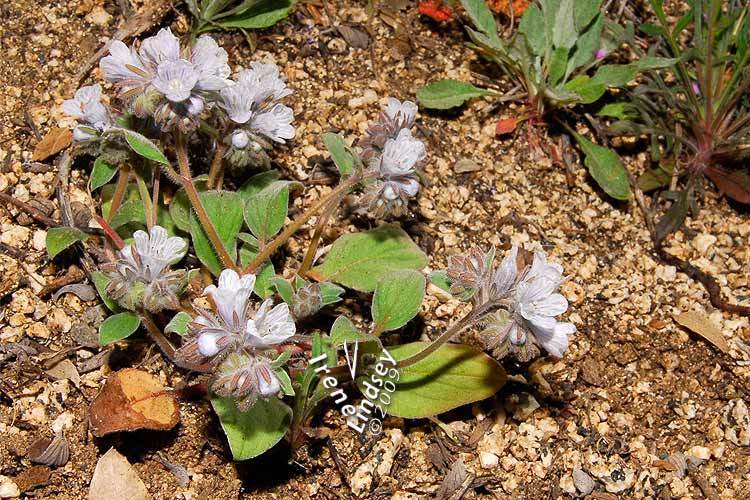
[320, 226]
[295, 226]
[148, 208]
[120, 189]
[166, 346]
[200, 211]
[215, 171]
[456, 328]
[155, 194]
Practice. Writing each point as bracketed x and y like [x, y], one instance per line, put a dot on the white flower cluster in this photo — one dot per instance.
[175, 86]
[235, 342]
[528, 298]
[394, 154]
[141, 277]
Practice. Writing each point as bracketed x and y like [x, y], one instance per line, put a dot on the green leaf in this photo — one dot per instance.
[101, 173]
[584, 13]
[445, 94]
[330, 293]
[101, 281]
[284, 381]
[398, 298]
[586, 89]
[130, 211]
[651, 62]
[619, 110]
[255, 431]
[482, 18]
[118, 327]
[587, 45]
[60, 238]
[179, 324]
[360, 260]
[452, 376]
[615, 75]
[656, 178]
[264, 275]
[532, 28]
[606, 168]
[224, 209]
[284, 288]
[266, 14]
[564, 32]
[179, 207]
[558, 65]
[257, 183]
[440, 279]
[265, 211]
[343, 332]
[674, 218]
[340, 153]
[144, 147]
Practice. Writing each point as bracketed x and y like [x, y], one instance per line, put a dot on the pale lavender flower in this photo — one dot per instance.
[252, 104]
[124, 67]
[397, 179]
[696, 88]
[395, 116]
[245, 378]
[141, 275]
[176, 80]
[210, 62]
[271, 326]
[92, 115]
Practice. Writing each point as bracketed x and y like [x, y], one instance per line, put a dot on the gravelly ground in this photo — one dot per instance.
[634, 390]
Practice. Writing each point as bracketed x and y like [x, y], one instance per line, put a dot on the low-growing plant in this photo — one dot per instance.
[696, 114]
[213, 15]
[557, 60]
[268, 365]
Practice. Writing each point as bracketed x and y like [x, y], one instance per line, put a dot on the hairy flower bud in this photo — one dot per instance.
[307, 301]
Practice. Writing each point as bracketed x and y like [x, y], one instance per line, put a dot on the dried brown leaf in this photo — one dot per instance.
[359, 39]
[700, 324]
[55, 141]
[130, 400]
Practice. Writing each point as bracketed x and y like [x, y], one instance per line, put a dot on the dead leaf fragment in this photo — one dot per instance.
[465, 165]
[55, 141]
[33, 477]
[130, 400]
[356, 38]
[506, 126]
[700, 324]
[65, 370]
[53, 452]
[114, 474]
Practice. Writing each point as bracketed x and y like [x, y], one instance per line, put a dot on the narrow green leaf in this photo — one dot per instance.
[651, 62]
[340, 154]
[360, 260]
[564, 32]
[144, 147]
[398, 298]
[584, 13]
[60, 238]
[482, 18]
[101, 173]
[179, 324]
[266, 14]
[453, 376]
[615, 75]
[619, 110]
[255, 431]
[587, 45]
[445, 94]
[606, 168]
[532, 28]
[118, 326]
[224, 209]
[558, 65]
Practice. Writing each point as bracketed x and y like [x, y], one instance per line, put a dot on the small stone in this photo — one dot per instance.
[8, 489]
[488, 460]
[699, 452]
[99, 16]
[584, 483]
[465, 165]
[521, 405]
[736, 422]
[703, 242]
[369, 97]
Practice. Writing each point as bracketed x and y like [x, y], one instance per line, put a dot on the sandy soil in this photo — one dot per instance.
[634, 392]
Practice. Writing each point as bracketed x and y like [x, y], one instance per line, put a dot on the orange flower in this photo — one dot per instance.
[435, 10]
[504, 6]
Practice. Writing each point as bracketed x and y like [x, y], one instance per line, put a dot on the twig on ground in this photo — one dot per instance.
[74, 275]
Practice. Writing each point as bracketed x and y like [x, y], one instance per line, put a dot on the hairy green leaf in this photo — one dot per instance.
[101, 281]
[224, 209]
[360, 260]
[255, 431]
[398, 298]
[179, 324]
[340, 153]
[606, 168]
[265, 211]
[60, 238]
[144, 147]
[482, 18]
[445, 94]
[101, 173]
[118, 326]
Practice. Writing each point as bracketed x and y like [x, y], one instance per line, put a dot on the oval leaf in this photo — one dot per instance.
[398, 298]
[101, 281]
[179, 324]
[360, 260]
[60, 238]
[340, 154]
[144, 147]
[452, 376]
[445, 94]
[118, 327]
[606, 168]
[255, 431]
[265, 212]
[224, 209]
[101, 173]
